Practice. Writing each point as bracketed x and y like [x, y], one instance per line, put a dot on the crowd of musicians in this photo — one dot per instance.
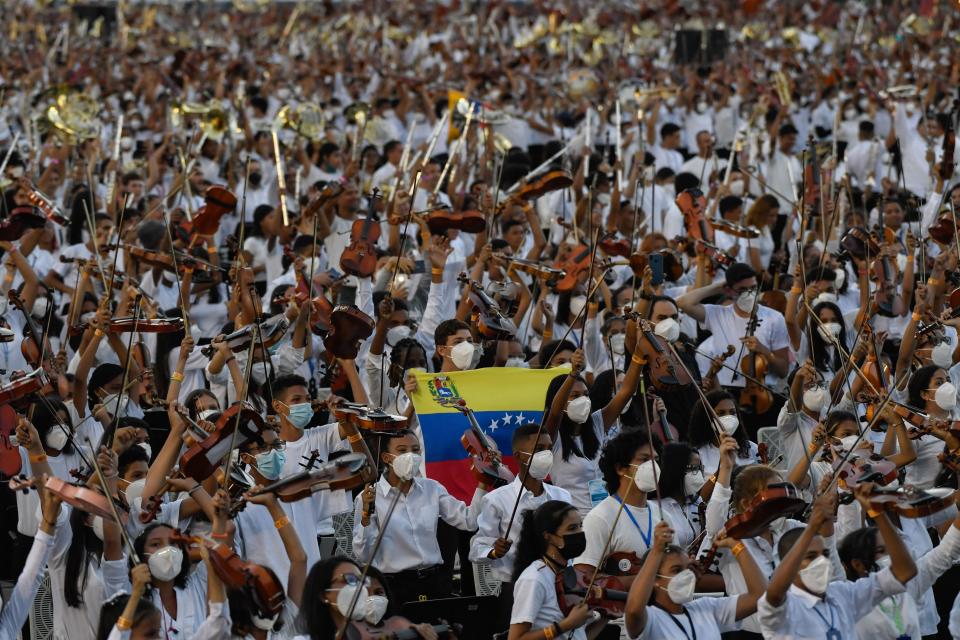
[233, 241]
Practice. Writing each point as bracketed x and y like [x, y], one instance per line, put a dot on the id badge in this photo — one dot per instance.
[598, 491]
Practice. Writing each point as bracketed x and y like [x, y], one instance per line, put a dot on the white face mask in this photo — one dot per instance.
[646, 476]
[736, 187]
[406, 465]
[109, 403]
[577, 303]
[729, 423]
[816, 575]
[135, 490]
[462, 355]
[345, 597]
[826, 296]
[841, 277]
[540, 464]
[848, 442]
[849, 114]
[813, 399]
[693, 481]
[97, 526]
[40, 307]
[578, 409]
[264, 624]
[828, 331]
[745, 301]
[517, 363]
[942, 355]
[618, 343]
[946, 396]
[56, 438]
[207, 413]
[668, 329]
[376, 607]
[681, 586]
[398, 333]
[702, 106]
[165, 563]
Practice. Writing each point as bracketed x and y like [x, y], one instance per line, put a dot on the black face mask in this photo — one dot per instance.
[255, 178]
[574, 544]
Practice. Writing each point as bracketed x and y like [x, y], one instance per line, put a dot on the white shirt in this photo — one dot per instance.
[804, 615]
[728, 327]
[783, 173]
[703, 167]
[633, 533]
[684, 519]
[710, 457]
[410, 540]
[496, 508]
[17, 607]
[191, 605]
[709, 617]
[576, 472]
[535, 600]
[259, 541]
[796, 431]
[666, 157]
[337, 241]
[263, 255]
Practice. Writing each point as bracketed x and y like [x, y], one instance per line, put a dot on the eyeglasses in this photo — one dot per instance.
[692, 468]
[276, 445]
[350, 579]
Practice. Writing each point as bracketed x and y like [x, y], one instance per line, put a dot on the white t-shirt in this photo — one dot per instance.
[535, 599]
[728, 328]
[263, 255]
[709, 617]
[633, 533]
[576, 473]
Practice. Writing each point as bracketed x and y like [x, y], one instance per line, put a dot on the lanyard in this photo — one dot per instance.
[646, 537]
[693, 629]
[895, 615]
[832, 633]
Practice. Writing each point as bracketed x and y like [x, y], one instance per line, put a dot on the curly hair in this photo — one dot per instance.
[619, 451]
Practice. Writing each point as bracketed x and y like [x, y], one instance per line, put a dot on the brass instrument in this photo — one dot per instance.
[783, 88]
[480, 112]
[213, 120]
[791, 37]
[72, 114]
[900, 92]
[581, 83]
[305, 119]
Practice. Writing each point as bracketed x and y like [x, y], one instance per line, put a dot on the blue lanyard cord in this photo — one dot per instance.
[832, 632]
[646, 537]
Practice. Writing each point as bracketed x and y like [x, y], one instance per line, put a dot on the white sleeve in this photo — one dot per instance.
[717, 508]
[528, 598]
[216, 626]
[363, 537]
[593, 345]
[935, 563]
[288, 358]
[596, 530]
[457, 514]
[17, 608]
[771, 618]
[488, 530]
[431, 317]
[116, 576]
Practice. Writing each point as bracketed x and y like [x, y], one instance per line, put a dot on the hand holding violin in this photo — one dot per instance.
[754, 345]
[369, 497]
[28, 438]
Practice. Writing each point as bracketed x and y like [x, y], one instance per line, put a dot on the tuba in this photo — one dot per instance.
[71, 113]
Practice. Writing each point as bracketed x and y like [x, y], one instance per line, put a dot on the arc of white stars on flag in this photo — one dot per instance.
[507, 419]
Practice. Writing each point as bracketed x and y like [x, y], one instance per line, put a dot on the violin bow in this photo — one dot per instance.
[248, 369]
[96, 246]
[176, 275]
[113, 507]
[112, 429]
[593, 259]
[752, 323]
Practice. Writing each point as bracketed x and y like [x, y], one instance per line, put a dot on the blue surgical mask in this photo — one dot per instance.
[270, 463]
[300, 414]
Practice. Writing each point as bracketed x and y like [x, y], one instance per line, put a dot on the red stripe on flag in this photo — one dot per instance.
[458, 478]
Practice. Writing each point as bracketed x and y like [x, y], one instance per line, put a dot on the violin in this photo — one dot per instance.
[778, 500]
[734, 229]
[349, 471]
[486, 468]
[395, 628]
[21, 220]
[10, 462]
[612, 247]
[262, 586]
[166, 260]
[272, 330]
[369, 419]
[672, 265]
[661, 427]
[130, 324]
[21, 387]
[858, 469]
[944, 229]
[716, 364]
[666, 371]
[721, 258]
[469, 220]
[774, 298]
[886, 297]
[950, 460]
[622, 564]
[360, 257]
[755, 396]
[608, 594]
[490, 321]
[217, 202]
[46, 206]
[34, 345]
[577, 261]
[78, 497]
[909, 501]
[692, 205]
[535, 269]
[858, 243]
[349, 327]
[547, 183]
[202, 459]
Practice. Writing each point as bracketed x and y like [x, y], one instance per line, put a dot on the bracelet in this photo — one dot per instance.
[916, 316]
[98, 333]
[195, 487]
[40, 457]
[635, 359]
[219, 536]
[177, 376]
[738, 549]
[280, 523]
[547, 335]
[909, 258]
[873, 513]
[229, 360]
[437, 271]
[212, 250]
[933, 282]
[124, 624]
[354, 438]
[796, 290]
[548, 633]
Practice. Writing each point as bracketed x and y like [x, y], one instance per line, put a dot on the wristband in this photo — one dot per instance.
[437, 271]
[635, 359]
[194, 488]
[547, 335]
[354, 438]
[219, 536]
[280, 523]
[738, 549]
[40, 457]
[933, 282]
[916, 316]
[123, 624]
[212, 250]
[796, 290]
[177, 376]
[98, 333]
[873, 513]
[229, 360]
[909, 258]
[548, 633]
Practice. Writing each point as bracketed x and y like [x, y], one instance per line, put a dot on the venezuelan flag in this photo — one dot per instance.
[502, 398]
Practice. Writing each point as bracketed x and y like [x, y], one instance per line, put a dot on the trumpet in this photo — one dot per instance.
[213, 120]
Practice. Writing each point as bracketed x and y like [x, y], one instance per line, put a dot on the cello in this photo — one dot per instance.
[360, 257]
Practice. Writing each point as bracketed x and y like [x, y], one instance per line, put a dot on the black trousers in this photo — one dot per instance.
[417, 585]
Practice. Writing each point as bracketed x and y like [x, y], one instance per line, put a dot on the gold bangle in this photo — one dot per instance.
[547, 335]
[593, 306]
[356, 437]
[738, 549]
[212, 250]
[548, 632]
[98, 332]
[909, 258]
[932, 282]
[636, 360]
[873, 513]
[796, 290]
[280, 523]
[123, 624]
[916, 316]
[219, 536]
[40, 457]
[437, 271]
[177, 376]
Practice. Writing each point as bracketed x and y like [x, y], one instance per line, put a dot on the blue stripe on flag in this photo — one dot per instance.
[442, 431]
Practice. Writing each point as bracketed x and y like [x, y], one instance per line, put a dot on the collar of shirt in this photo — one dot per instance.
[384, 487]
[806, 598]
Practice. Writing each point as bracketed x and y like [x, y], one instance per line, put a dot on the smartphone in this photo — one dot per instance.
[334, 274]
[348, 296]
[419, 267]
[656, 265]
